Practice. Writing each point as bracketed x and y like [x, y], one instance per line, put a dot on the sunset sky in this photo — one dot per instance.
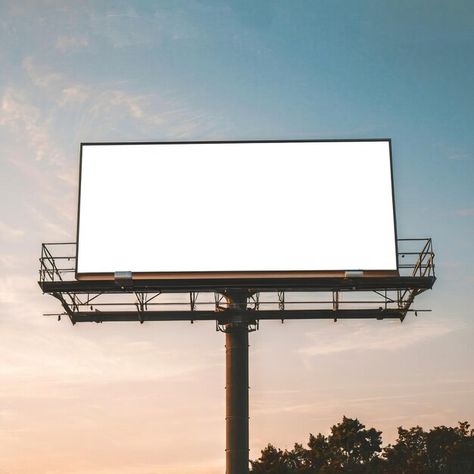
[146, 399]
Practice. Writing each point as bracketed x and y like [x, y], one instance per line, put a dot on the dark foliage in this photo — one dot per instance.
[353, 449]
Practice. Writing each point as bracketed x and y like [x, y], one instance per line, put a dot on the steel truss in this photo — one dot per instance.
[187, 300]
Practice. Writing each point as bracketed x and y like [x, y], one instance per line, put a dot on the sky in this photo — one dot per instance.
[142, 399]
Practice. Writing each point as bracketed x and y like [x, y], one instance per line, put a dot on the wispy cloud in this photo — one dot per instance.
[58, 228]
[84, 361]
[9, 232]
[132, 105]
[67, 43]
[465, 212]
[41, 76]
[459, 156]
[20, 299]
[386, 337]
[26, 120]
[129, 28]
[11, 261]
[61, 90]
[74, 94]
[113, 107]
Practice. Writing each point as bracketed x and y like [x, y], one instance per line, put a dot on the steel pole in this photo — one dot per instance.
[237, 389]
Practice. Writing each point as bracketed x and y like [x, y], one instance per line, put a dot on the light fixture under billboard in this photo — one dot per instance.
[235, 209]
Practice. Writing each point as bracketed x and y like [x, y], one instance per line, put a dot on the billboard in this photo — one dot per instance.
[210, 209]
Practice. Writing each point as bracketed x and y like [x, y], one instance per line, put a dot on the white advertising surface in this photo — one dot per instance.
[236, 207]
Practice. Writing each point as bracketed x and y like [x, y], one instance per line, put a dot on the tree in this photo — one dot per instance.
[442, 450]
[451, 450]
[408, 454]
[297, 460]
[271, 461]
[352, 448]
[318, 454]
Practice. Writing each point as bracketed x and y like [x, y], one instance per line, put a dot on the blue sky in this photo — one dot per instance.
[108, 71]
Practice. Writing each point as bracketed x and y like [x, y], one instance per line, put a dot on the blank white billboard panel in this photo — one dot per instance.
[236, 207]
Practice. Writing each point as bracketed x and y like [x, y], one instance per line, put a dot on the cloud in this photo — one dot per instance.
[465, 212]
[41, 77]
[20, 291]
[26, 120]
[74, 94]
[9, 232]
[60, 89]
[56, 230]
[66, 44]
[107, 108]
[128, 28]
[459, 156]
[11, 261]
[131, 105]
[363, 337]
[141, 116]
[73, 356]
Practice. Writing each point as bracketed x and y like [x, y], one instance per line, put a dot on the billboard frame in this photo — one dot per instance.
[253, 276]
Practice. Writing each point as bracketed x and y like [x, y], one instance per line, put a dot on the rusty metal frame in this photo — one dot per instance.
[311, 298]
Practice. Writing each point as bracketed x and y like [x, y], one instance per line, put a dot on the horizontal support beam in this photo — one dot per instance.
[260, 285]
[227, 316]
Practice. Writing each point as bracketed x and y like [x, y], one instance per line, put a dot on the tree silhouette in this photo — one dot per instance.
[409, 453]
[353, 449]
[441, 450]
[271, 461]
[318, 454]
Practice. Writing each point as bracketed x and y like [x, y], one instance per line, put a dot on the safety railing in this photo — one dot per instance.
[58, 260]
[416, 257]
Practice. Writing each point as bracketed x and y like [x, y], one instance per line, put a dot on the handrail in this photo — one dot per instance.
[50, 267]
[54, 255]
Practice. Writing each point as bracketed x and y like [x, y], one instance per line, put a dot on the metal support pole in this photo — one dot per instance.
[237, 387]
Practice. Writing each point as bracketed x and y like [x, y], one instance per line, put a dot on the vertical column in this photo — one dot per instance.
[237, 389]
